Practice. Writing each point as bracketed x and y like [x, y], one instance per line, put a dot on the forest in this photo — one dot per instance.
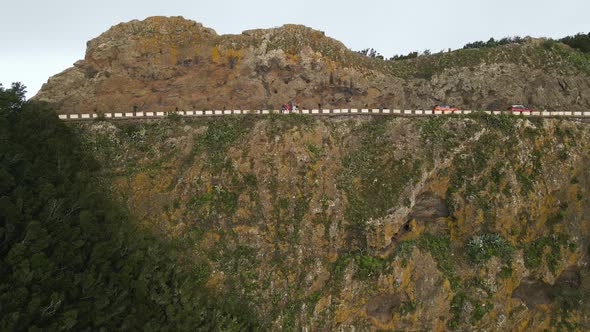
[72, 257]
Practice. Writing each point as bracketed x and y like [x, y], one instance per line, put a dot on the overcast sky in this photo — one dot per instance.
[40, 38]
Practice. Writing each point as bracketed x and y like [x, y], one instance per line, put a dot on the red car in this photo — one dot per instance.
[520, 108]
[444, 108]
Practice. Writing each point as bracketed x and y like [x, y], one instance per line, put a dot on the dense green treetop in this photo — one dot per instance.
[71, 258]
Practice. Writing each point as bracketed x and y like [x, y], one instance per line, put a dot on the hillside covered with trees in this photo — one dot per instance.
[71, 257]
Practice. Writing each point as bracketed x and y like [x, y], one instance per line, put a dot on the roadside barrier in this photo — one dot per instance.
[322, 112]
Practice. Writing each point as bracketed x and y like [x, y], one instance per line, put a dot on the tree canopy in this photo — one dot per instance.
[71, 257]
[578, 41]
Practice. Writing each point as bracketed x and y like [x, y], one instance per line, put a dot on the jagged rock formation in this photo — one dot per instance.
[167, 63]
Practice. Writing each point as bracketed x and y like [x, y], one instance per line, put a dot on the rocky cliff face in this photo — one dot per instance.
[475, 223]
[479, 222]
[167, 63]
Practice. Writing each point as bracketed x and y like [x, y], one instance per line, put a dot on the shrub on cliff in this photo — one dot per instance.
[483, 247]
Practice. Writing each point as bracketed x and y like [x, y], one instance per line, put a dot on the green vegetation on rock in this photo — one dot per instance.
[72, 257]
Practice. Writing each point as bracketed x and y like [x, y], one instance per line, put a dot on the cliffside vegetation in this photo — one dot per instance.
[72, 258]
[372, 222]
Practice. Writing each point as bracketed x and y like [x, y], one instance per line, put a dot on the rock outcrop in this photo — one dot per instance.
[167, 63]
[369, 223]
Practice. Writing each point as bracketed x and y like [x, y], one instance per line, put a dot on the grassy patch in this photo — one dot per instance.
[483, 247]
[372, 179]
[457, 304]
[315, 151]
[368, 266]
[439, 247]
[479, 310]
[407, 307]
[557, 217]
[337, 269]
[221, 134]
[218, 201]
[534, 252]
[403, 250]
[505, 272]
[279, 123]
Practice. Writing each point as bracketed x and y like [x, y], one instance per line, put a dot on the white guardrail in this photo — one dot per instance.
[339, 112]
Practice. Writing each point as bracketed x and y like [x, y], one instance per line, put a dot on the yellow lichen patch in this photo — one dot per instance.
[522, 326]
[546, 318]
[215, 280]
[292, 58]
[464, 223]
[406, 276]
[506, 286]
[572, 257]
[322, 304]
[215, 55]
[232, 53]
[209, 239]
[350, 309]
[439, 185]
[173, 55]
[415, 229]
[440, 325]
[506, 223]
[245, 205]
[244, 229]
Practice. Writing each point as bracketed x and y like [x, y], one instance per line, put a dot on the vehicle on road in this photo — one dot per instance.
[444, 108]
[519, 108]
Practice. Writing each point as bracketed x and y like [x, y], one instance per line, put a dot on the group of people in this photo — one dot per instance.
[289, 107]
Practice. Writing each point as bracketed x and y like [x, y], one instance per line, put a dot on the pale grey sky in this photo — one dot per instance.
[41, 38]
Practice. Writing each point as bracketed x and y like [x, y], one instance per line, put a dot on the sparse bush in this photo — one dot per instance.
[404, 250]
[371, 53]
[407, 307]
[505, 272]
[220, 135]
[534, 251]
[479, 310]
[314, 151]
[548, 44]
[494, 43]
[457, 305]
[368, 266]
[410, 55]
[483, 247]
[100, 117]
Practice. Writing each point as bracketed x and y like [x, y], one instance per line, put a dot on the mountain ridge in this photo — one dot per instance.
[168, 63]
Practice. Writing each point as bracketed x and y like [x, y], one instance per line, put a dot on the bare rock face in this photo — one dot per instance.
[429, 207]
[168, 63]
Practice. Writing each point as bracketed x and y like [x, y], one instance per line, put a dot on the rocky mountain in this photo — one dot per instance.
[168, 63]
[293, 222]
[369, 223]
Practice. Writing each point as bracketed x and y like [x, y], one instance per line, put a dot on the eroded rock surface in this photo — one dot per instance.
[168, 63]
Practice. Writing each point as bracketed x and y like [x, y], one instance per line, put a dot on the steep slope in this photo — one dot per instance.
[167, 63]
[373, 223]
[71, 258]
